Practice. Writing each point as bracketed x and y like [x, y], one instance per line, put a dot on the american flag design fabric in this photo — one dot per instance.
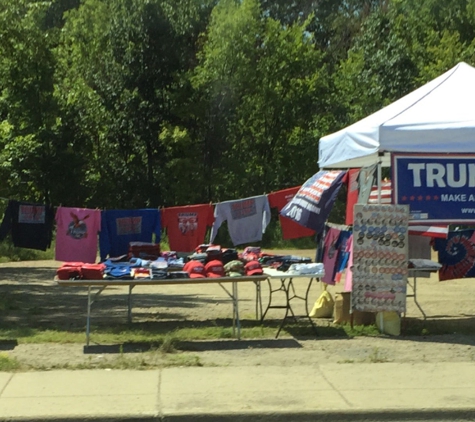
[437, 231]
[314, 189]
[386, 192]
[311, 205]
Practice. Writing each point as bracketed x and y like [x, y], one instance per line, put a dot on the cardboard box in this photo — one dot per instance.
[341, 312]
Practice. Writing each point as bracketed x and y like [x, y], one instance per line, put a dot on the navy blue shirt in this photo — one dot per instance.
[120, 227]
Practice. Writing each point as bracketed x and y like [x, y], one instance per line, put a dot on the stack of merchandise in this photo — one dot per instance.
[196, 269]
[80, 271]
[215, 261]
[144, 261]
[144, 250]
[279, 262]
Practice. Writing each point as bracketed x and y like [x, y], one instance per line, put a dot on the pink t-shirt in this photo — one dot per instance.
[76, 234]
[349, 273]
[330, 255]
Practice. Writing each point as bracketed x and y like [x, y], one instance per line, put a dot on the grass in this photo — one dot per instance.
[115, 335]
[152, 359]
[377, 356]
[9, 253]
[169, 337]
[154, 346]
[8, 364]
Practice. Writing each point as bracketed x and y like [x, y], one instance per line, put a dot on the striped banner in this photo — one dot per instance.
[386, 192]
[438, 231]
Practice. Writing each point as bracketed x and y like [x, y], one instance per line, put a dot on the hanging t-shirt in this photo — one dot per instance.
[343, 255]
[352, 194]
[365, 183]
[349, 273]
[31, 225]
[247, 219]
[330, 255]
[186, 226]
[120, 227]
[76, 234]
[290, 229]
[457, 255]
[314, 201]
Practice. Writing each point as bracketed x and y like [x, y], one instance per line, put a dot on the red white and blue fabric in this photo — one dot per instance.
[313, 202]
[437, 231]
[385, 193]
[457, 255]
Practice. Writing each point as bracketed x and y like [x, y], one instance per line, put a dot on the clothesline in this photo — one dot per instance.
[185, 226]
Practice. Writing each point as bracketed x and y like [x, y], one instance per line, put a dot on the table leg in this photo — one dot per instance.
[234, 311]
[291, 289]
[129, 305]
[88, 320]
[236, 306]
[90, 301]
[258, 301]
[415, 298]
[287, 308]
[235, 300]
[271, 292]
[306, 307]
[291, 294]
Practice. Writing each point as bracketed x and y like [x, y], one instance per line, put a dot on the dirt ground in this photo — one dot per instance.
[31, 299]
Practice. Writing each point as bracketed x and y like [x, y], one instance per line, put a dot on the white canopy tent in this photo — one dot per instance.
[438, 117]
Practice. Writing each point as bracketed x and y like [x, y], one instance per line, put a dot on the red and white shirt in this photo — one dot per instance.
[290, 229]
[186, 225]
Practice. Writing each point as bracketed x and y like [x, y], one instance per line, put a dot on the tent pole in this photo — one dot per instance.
[319, 240]
[380, 175]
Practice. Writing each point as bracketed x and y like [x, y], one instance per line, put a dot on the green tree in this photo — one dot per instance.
[123, 73]
[263, 85]
[27, 108]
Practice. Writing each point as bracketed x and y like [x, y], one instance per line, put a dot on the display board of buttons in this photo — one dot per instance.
[380, 258]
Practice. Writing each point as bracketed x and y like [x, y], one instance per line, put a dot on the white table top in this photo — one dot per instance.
[158, 281]
[273, 273]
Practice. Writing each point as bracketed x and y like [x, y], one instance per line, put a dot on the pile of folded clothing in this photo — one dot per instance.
[80, 271]
[279, 262]
[213, 261]
[283, 262]
[144, 250]
[127, 267]
[314, 268]
[208, 252]
[166, 266]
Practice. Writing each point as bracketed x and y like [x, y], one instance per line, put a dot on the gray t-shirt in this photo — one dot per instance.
[247, 219]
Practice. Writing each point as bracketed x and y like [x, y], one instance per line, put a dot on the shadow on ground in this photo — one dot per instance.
[8, 344]
[29, 299]
[194, 346]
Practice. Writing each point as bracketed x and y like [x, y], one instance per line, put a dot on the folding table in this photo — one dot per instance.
[103, 284]
[287, 280]
[414, 272]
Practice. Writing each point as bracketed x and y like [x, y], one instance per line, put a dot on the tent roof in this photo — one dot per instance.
[437, 117]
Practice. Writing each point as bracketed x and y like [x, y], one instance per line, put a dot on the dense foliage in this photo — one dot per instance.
[135, 103]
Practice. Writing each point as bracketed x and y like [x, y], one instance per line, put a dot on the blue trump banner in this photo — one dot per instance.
[312, 204]
[439, 188]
